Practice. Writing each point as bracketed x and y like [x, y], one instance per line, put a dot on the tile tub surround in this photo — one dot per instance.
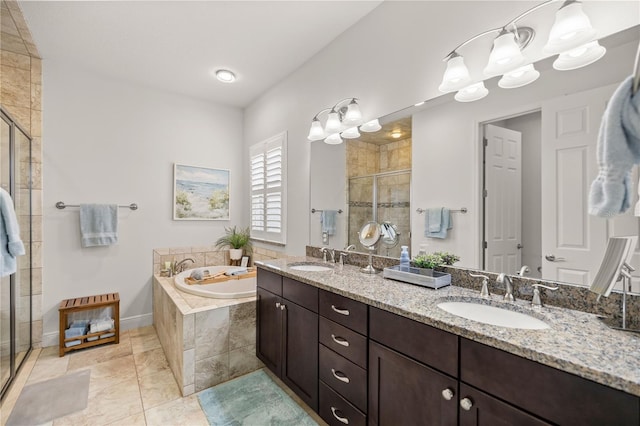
[206, 341]
[567, 296]
[577, 342]
[204, 256]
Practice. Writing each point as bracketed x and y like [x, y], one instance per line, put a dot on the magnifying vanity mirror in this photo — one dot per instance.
[369, 236]
[389, 236]
[459, 154]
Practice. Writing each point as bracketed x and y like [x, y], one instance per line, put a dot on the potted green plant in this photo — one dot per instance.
[448, 258]
[428, 261]
[236, 240]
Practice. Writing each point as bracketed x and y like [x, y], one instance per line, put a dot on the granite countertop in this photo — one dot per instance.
[576, 342]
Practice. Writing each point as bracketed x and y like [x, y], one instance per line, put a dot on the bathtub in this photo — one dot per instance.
[231, 289]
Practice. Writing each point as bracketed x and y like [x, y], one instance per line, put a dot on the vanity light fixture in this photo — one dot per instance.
[342, 123]
[371, 126]
[225, 76]
[571, 37]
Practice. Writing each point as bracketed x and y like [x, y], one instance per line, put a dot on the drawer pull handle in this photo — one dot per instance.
[283, 307]
[466, 404]
[340, 311]
[340, 377]
[339, 340]
[277, 305]
[340, 419]
[448, 394]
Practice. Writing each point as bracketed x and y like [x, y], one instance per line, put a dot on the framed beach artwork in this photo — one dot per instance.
[200, 193]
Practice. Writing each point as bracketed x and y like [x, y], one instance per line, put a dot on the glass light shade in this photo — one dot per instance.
[456, 76]
[316, 132]
[351, 133]
[579, 57]
[353, 116]
[571, 28]
[371, 126]
[333, 139]
[333, 123]
[472, 93]
[519, 77]
[505, 55]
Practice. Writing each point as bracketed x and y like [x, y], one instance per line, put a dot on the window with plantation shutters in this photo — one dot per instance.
[267, 178]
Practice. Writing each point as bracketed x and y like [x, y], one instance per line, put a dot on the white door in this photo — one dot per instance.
[503, 207]
[573, 242]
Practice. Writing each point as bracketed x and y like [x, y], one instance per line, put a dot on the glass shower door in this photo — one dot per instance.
[394, 206]
[5, 282]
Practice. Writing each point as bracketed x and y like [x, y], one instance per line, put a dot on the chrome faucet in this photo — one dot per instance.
[179, 266]
[343, 255]
[508, 295]
[350, 247]
[524, 270]
[484, 293]
[332, 252]
[536, 302]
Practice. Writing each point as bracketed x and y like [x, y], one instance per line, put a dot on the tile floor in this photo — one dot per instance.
[131, 384]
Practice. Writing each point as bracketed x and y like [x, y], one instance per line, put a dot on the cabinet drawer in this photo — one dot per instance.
[424, 343]
[551, 394]
[344, 377]
[336, 411]
[344, 341]
[303, 294]
[344, 311]
[269, 281]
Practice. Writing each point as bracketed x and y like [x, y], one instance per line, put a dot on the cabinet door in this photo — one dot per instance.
[480, 409]
[269, 329]
[300, 352]
[405, 392]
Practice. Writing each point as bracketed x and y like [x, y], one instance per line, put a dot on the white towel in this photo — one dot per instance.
[10, 244]
[98, 224]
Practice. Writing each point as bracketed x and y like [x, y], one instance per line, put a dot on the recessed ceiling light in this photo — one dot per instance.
[225, 76]
[396, 134]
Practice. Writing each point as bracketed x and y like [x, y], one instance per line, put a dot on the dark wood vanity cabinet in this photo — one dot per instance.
[405, 392]
[359, 365]
[287, 332]
[343, 360]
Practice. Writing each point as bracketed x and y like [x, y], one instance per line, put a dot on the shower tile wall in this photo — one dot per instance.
[364, 159]
[21, 97]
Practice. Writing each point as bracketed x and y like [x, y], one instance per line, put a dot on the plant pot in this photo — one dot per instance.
[235, 254]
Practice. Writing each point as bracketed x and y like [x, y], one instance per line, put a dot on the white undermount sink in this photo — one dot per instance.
[493, 315]
[310, 267]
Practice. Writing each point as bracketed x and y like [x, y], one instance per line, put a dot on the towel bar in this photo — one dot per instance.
[61, 205]
[462, 210]
[315, 210]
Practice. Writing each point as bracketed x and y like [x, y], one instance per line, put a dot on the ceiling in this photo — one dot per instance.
[176, 45]
[384, 135]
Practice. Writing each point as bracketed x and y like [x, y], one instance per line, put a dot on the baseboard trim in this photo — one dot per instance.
[137, 321]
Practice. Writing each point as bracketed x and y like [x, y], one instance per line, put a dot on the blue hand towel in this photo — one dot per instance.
[98, 224]
[445, 224]
[434, 216]
[618, 151]
[328, 221]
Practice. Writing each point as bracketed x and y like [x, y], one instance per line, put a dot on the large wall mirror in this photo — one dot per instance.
[525, 189]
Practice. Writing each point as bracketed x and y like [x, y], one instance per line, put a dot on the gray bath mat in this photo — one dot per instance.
[44, 401]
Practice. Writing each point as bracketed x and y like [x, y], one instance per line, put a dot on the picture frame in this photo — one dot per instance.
[244, 262]
[200, 193]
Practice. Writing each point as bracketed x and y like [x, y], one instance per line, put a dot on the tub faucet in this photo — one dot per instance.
[508, 295]
[179, 266]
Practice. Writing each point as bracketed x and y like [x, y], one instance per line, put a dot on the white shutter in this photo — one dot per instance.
[267, 180]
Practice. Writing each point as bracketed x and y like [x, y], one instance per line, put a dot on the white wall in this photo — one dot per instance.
[446, 146]
[107, 141]
[390, 59]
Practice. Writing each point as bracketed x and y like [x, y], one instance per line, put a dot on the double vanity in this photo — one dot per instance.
[360, 349]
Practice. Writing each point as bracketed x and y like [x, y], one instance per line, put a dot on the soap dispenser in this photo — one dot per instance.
[404, 256]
